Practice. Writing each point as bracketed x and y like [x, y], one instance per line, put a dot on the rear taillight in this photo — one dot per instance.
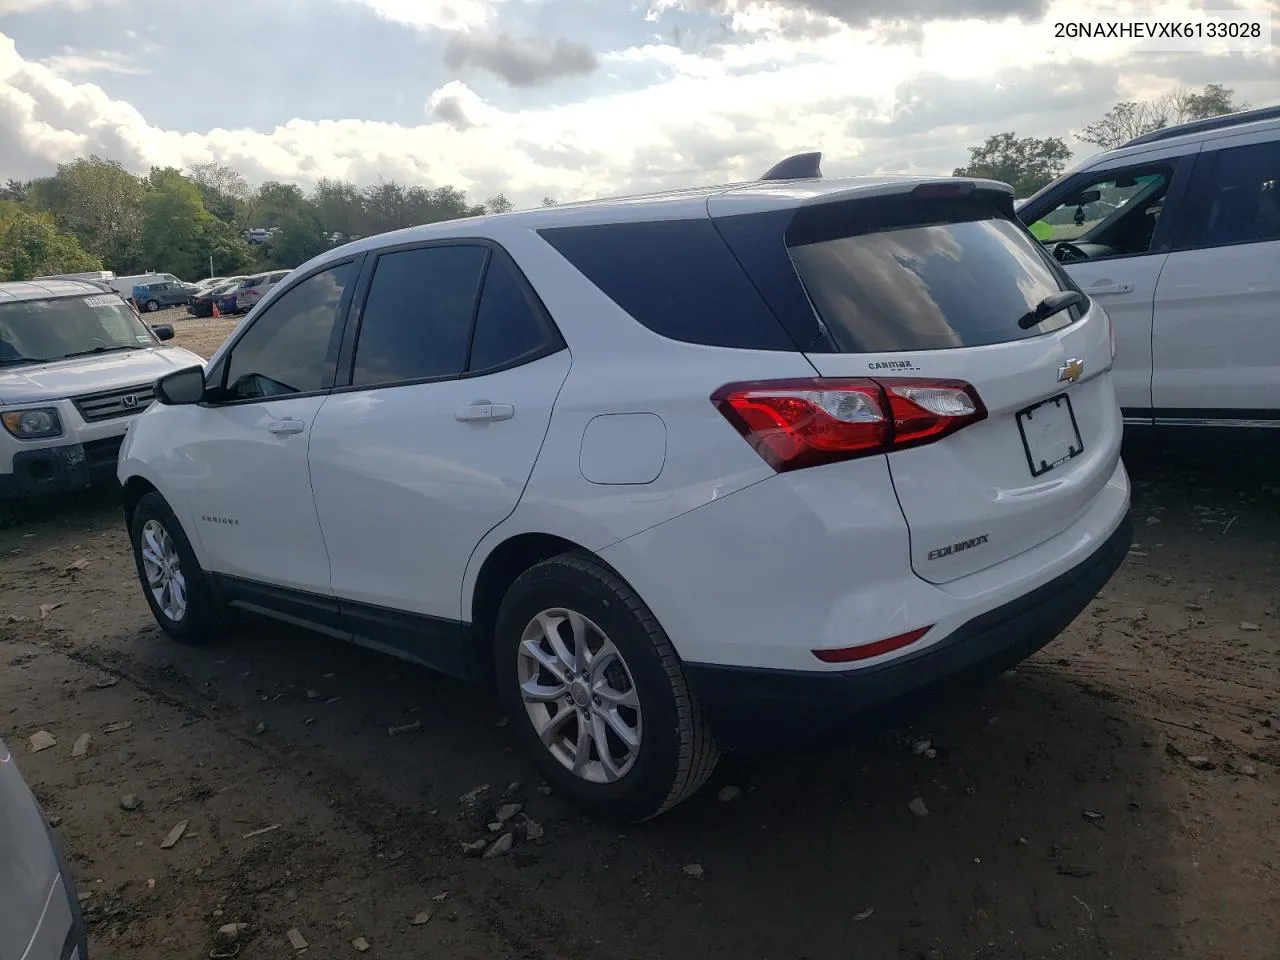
[804, 423]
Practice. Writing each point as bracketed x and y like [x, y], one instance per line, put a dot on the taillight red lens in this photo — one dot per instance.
[803, 423]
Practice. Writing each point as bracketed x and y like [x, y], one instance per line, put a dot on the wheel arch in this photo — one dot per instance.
[138, 486]
[498, 571]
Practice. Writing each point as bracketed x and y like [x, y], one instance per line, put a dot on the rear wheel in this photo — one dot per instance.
[175, 587]
[152, 306]
[596, 692]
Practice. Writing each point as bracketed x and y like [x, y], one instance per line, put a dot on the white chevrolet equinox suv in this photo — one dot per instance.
[712, 470]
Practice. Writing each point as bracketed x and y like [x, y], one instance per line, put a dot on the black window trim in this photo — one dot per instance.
[1187, 236]
[553, 340]
[216, 375]
[1162, 239]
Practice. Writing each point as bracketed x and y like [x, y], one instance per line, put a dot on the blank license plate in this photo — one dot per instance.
[1050, 435]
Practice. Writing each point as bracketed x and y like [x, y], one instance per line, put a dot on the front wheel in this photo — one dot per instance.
[596, 692]
[175, 587]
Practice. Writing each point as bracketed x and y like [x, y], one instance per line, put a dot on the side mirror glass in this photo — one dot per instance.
[163, 331]
[181, 387]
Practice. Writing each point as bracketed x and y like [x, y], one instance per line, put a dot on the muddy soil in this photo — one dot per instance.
[1118, 795]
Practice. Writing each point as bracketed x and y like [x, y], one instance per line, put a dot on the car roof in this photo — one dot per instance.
[16, 291]
[1169, 139]
[726, 199]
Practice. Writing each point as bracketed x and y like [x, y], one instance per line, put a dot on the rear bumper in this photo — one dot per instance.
[756, 710]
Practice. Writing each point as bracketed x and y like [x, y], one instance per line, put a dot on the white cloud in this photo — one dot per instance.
[428, 14]
[869, 105]
[74, 63]
[24, 6]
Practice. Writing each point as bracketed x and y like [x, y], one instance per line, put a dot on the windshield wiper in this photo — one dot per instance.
[1050, 305]
[89, 353]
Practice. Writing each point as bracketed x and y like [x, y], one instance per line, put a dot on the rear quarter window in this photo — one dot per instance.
[676, 277]
[929, 286]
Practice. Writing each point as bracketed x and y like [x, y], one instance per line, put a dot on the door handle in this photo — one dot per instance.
[482, 410]
[282, 428]
[1105, 288]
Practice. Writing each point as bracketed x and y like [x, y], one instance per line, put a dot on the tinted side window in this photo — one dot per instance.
[677, 277]
[290, 347]
[417, 317]
[507, 328]
[1236, 199]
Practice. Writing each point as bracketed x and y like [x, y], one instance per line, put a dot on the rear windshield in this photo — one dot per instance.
[37, 331]
[930, 286]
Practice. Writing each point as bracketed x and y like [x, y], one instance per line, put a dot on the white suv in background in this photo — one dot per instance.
[76, 365]
[717, 469]
[1178, 234]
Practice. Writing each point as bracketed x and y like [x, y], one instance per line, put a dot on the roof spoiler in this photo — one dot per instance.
[802, 166]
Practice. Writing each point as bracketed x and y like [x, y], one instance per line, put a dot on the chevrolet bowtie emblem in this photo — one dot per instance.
[1071, 371]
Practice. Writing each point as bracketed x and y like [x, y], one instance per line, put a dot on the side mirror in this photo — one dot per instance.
[181, 387]
[163, 331]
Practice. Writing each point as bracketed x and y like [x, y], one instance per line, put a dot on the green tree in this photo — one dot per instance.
[498, 204]
[175, 226]
[1133, 118]
[339, 207]
[31, 245]
[101, 203]
[225, 191]
[1026, 163]
[231, 254]
[1214, 100]
[301, 237]
[275, 201]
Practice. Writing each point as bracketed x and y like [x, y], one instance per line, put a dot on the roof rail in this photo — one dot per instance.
[803, 166]
[1203, 126]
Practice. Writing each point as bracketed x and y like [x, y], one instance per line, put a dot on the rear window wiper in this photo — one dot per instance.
[1046, 308]
[89, 353]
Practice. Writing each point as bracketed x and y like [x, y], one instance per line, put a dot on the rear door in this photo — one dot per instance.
[453, 367]
[912, 288]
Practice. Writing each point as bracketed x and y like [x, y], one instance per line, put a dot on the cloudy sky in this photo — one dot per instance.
[568, 98]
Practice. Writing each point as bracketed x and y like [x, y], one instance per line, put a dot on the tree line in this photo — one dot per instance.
[92, 214]
[1029, 163]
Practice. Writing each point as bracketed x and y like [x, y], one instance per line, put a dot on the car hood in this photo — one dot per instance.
[27, 864]
[40, 382]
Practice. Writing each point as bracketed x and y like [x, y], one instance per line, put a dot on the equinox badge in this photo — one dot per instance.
[1071, 371]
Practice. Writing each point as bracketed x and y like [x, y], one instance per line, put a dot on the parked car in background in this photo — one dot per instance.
[40, 917]
[1178, 234]
[253, 289]
[124, 285]
[201, 304]
[151, 297]
[77, 365]
[821, 445]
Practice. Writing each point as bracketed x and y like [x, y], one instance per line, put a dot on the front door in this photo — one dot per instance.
[1104, 226]
[1217, 308]
[248, 483]
[431, 445]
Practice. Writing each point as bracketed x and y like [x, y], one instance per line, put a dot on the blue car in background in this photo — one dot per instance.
[164, 293]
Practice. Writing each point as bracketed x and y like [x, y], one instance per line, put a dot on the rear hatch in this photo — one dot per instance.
[929, 283]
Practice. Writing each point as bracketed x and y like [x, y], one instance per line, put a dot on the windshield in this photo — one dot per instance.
[35, 331]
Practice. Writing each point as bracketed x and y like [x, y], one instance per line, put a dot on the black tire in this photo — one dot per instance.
[677, 752]
[204, 617]
[152, 306]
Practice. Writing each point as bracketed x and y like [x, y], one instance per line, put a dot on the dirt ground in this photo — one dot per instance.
[1116, 796]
